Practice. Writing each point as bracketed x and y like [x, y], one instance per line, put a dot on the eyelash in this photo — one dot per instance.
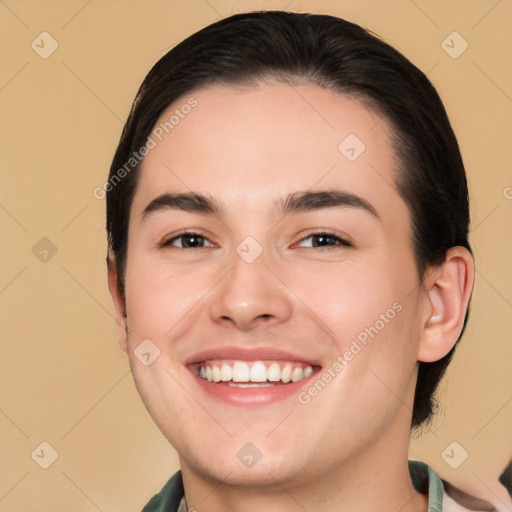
[342, 242]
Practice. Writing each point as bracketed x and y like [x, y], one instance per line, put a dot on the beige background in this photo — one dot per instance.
[63, 379]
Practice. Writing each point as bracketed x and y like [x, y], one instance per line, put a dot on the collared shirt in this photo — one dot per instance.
[424, 479]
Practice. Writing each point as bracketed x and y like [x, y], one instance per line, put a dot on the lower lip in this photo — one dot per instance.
[251, 396]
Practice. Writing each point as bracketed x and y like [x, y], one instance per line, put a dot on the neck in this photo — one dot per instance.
[374, 480]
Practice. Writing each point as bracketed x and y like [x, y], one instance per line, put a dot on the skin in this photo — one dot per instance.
[248, 148]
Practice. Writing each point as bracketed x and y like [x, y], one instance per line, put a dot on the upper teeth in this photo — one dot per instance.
[241, 371]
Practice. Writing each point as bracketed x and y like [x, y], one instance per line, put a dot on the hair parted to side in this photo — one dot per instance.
[247, 49]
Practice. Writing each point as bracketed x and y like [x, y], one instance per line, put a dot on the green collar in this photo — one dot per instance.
[425, 481]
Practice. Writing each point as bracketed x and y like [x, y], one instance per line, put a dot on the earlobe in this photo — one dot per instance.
[448, 293]
[119, 303]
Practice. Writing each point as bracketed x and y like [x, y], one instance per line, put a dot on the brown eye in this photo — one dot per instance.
[324, 240]
[188, 240]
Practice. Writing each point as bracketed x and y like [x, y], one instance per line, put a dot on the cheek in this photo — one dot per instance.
[155, 298]
[370, 313]
[347, 297]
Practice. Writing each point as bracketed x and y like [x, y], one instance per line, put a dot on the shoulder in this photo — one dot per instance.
[443, 496]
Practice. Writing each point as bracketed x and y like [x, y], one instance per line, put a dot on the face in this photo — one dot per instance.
[270, 266]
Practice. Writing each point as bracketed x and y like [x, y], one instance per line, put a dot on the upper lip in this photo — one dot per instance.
[250, 354]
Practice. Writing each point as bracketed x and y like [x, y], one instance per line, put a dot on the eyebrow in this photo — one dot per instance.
[307, 201]
[297, 202]
[189, 202]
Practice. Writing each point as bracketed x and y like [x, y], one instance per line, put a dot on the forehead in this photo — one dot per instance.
[249, 146]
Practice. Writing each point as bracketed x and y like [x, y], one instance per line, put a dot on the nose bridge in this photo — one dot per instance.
[250, 293]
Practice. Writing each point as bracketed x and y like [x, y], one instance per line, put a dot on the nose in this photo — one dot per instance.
[250, 296]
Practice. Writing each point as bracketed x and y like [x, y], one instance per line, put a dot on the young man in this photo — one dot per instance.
[287, 214]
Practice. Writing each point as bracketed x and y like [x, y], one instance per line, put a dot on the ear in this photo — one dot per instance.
[448, 290]
[119, 303]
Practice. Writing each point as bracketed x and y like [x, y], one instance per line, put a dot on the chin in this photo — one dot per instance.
[238, 462]
[265, 473]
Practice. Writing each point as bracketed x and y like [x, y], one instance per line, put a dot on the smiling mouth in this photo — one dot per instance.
[255, 374]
